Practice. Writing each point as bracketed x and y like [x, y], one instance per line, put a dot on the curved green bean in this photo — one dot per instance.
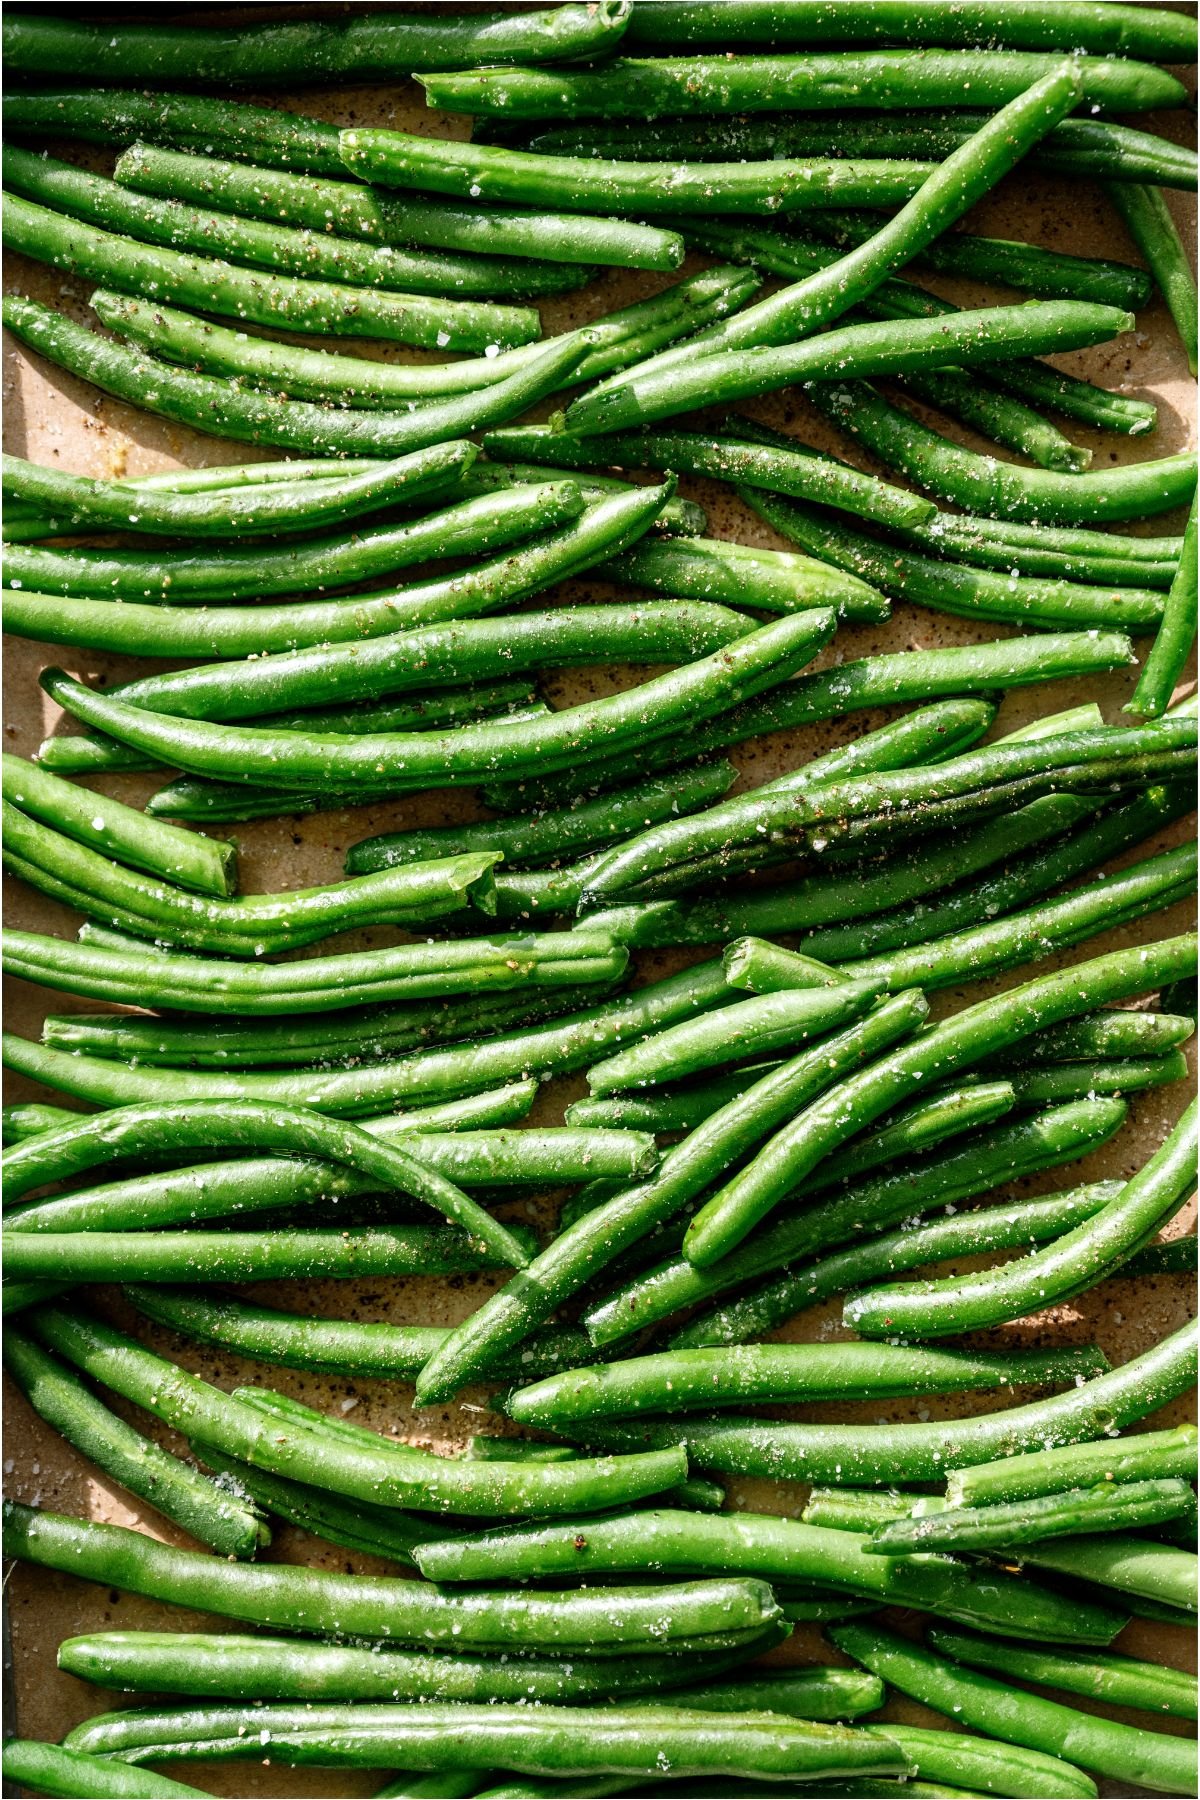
[953, 1757]
[55, 1770]
[771, 580]
[1119, 1680]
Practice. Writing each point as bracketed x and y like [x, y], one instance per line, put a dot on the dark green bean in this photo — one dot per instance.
[1150, 1456]
[1147, 218]
[173, 1488]
[1050, 1138]
[1119, 1680]
[808, 476]
[1074, 1081]
[1121, 1752]
[1065, 1514]
[1129, 1565]
[1177, 633]
[1060, 553]
[54, 1770]
[1074, 1263]
[130, 266]
[762, 659]
[774, 1548]
[278, 54]
[1007, 1227]
[242, 572]
[991, 413]
[771, 580]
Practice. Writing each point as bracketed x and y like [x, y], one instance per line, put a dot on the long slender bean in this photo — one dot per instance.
[988, 1765]
[55, 1770]
[1127, 1564]
[242, 572]
[1002, 417]
[220, 1519]
[771, 580]
[1147, 218]
[774, 1548]
[1176, 635]
[281, 53]
[1073, 1263]
[1119, 1680]
[1059, 553]
[1072, 1512]
[1150, 1456]
[1119, 1752]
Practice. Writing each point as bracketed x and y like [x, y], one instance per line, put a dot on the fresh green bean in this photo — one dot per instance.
[775, 1549]
[1072, 1511]
[640, 88]
[236, 1667]
[223, 408]
[1120, 1752]
[1150, 1456]
[279, 54]
[874, 1455]
[982, 335]
[129, 266]
[783, 1374]
[771, 580]
[1074, 1081]
[183, 857]
[1046, 1140]
[242, 572]
[1059, 553]
[809, 477]
[1174, 1256]
[994, 414]
[235, 1125]
[54, 1770]
[506, 239]
[983, 485]
[1119, 1680]
[1147, 218]
[20, 1122]
[1007, 1227]
[215, 1517]
[811, 1693]
[1176, 635]
[685, 1171]
[1129, 1565]
[1073, 1263]
[335, 1346]
[763, 658]
[352, 1466]
[990, 1767]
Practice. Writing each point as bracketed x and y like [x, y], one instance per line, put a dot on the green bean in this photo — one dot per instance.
[1151, 1456]
[771, 580]
[979, 336]
[1175, 1256]
[223, 408]
[1093, 148]
[982, 485]
[64, 188]
[1119, 1680]
[1074, 1081]
[250, 925]
[22, 1122]
[236, 1667]
[80, 1147]
[1130, 1565]
[1147, 218]
[1007, 1227]
[55, 1770]
[775, 1549]
[183, 857]
[809, 476]
[678, 518]
[130, 266]
[278, 54]
[1065, 1514]
[639, 89]
[242, 572]
[1119, 1752]
[763, 658]
[334, 1346]
[1177, 633]
[1050, 1138]
[783, 1374]
[375, 1471]
[1072, 1264]
[215, 1517]
[874, 1455]
[1152, 32]
[756, 1027]
[1058, 553]
[452, 1784]
[811, 1693]
[556, 240]
[994, 414]
[990, 1767]
[685, 1171]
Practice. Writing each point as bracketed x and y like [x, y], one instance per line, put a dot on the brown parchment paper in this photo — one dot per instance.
[54, 419]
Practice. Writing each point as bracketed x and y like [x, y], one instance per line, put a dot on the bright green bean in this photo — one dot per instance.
[1058, 552]
[771, 580]
[1150, 1456]
[1176, 635]
[1148, 220]
[1129, 1565]
[1119, 1680]
[55, 1770]
[989, 1766]
[1068, 1513]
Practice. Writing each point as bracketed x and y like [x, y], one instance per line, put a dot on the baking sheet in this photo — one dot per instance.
[54, 419]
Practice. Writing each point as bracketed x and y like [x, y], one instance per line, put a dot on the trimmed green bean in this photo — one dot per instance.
[20, 1122]
[1128, 1565]
[1176, 635]
[1119, 1680]
[242, 572]
[762, 659]
[1074, 1081]
[685, 1171]
[173, 1488]
[1057, 552]
[994, 414]
[1147, 218]
[1066, 1514]
[1150, 1456]
[771, 580]
[183, 857]
[990, 1767]
[1074, 1263]
[1119, 1752]
[55, 1770]
[807, 476]
[982, 485]
[773, 1548]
